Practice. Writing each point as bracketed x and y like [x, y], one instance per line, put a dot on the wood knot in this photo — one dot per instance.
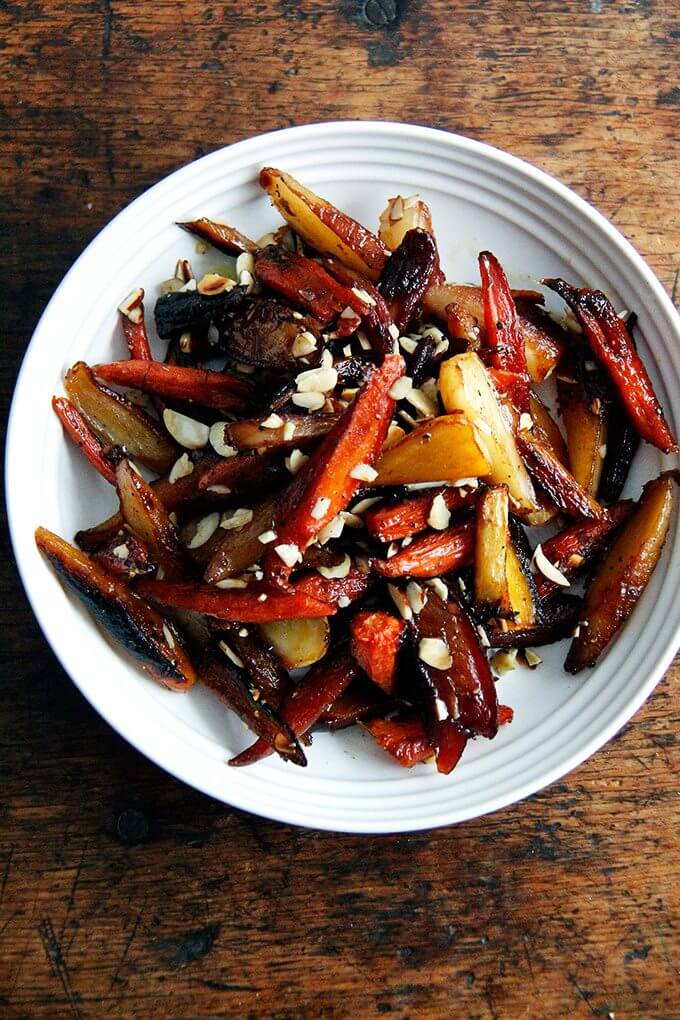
[131, 827]
[380, 13]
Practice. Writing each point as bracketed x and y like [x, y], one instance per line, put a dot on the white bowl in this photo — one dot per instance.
[480, 198]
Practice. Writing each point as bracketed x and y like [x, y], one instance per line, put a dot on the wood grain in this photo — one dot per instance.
[123, 892]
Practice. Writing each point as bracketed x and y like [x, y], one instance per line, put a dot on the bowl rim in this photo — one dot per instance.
[316, 132]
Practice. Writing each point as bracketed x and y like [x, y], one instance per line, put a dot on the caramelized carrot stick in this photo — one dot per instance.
[134, 327]
[432, 554]
[219, 235]
[404, 739]
[613, 347]
[553, 477]
[218, 390]
[503, 334]
[376, 641]
[390, 521]
[146, 635]
[574, 549]
[313, 696]
[77, 429]
[258, 603]
[329, 479]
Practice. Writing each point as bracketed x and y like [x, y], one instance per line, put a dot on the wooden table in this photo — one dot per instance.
[122, 892]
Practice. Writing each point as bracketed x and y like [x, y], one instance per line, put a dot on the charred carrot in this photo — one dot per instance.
[125, 555]
[142, 631]
[407, 274]
[327, 482]
[77, 429]
[555, 480]
[243, 697]
[433, 554]
[503, 333]
[218, 390]
[454, 667]
[360, 701]
[306, 284]
[326, 229]
[332, 590]
[393, 520]
[575, 548]
[368, 305]
[558, 620]
[622, 445]
[269, 677]
[148, 517]
[624, 573]
[258, 603]
[219, 235]
[118, 422]
[313, 696]
[613, 347]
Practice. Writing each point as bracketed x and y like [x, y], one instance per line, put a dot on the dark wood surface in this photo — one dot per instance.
[125, 894]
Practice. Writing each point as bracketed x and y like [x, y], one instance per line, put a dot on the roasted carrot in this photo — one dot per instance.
[432, 554]
[125, 555]
[490, 557]
[143, 632]
[560, 485]
[333, 590]
[269, 677]
[313, 696]
[117, 422]
[248, 474]
[361, 700]
[219, 235]
[77, 429]
[148, 517]
[575, 548]
[258, 603]
[327, 482]
[624, 573]
[389, 521]
[622, 445]
[328, 230]
[460, 686]
[242, 695]
[240, 548]
[218, 390]
[306, 284]
[134, 327]
[557, 622]
[503, 334]
[613, 347]
[376, 639]
[294, 430]
[407, 274]
[405, 739]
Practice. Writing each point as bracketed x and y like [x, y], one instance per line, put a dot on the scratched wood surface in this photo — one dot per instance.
[121, 891]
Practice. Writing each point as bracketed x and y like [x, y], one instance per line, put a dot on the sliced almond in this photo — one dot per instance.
[435, 652]
[549, 569]
[204, 529]
[218, 441]
[186, 431]
[295, 461]
[363, 473]
[439, 515]
[233, 519]
[182, 467]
